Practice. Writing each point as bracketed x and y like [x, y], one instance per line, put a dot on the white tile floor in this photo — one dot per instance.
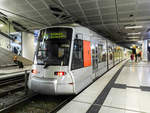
[119, 100]
[88, 96]
[135, 75]
[111, 110]
[107, 109]
[131, 99]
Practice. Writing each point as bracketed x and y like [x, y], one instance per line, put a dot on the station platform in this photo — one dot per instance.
[123, 89]
[12, 72]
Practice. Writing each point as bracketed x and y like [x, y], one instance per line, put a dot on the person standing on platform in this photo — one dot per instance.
[140, 55]
[136, 57]
[19, 63]
[15, 60]
[132, 57]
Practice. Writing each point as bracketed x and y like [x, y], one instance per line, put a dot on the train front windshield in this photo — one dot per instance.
[54, 46]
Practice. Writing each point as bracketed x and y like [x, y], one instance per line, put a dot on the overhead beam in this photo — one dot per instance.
[5, 35]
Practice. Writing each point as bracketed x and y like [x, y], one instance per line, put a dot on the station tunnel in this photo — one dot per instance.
[79, 56]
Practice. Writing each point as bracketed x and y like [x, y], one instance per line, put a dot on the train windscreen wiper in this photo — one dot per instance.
[46, 65]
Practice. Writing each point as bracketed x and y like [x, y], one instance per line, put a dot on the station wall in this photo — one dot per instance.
[4, 42]
[28, 45]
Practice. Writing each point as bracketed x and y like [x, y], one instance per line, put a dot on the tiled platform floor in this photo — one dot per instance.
[130, 92]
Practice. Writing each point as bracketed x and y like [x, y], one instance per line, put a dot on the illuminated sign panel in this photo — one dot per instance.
[56, 35]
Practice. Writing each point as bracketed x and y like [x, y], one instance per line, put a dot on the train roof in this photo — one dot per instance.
[64, 25]
[75, 25]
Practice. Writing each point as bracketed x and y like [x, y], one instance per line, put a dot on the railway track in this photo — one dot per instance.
[12, 91]
[13, 95]
[34, 103]
[11, 85]
[20, 99]
[42, 104]
[59, 106]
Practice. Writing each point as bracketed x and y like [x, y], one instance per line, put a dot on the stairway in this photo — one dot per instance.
[6, 58]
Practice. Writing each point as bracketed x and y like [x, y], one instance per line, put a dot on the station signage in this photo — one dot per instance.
[55, 35]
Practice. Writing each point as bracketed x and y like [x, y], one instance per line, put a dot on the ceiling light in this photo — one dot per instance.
[133, 27]
[140, 42]
[1, 25]
[134, 37]
[134, 33]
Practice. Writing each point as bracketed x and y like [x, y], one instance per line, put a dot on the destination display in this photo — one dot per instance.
[56, 33]
[60, 35]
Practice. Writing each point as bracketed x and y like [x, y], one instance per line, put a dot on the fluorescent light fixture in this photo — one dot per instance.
[133, 37]
[133, 27]
[140, 42]
[1, 25]
[134, 33]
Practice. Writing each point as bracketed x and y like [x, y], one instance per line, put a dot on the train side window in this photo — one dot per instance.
[77, 58]
[100, 51]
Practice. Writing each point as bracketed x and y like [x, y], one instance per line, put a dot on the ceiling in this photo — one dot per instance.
[107, 17]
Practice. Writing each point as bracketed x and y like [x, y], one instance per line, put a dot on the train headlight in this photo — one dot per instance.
[34, 71]
[60, 73]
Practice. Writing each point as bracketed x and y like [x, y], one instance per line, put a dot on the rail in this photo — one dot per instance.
[11, 84]
[27, 95]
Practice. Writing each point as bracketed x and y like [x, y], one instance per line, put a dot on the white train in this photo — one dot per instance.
[68, 58]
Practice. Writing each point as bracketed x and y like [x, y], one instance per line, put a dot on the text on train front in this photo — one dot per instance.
[54, 47]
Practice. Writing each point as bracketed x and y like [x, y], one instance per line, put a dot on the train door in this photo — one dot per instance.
[148, 50]
[81, 63]
[95, 60]
[113, 52]
[107, 55]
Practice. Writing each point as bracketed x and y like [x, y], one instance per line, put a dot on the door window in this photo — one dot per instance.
[77, 58]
